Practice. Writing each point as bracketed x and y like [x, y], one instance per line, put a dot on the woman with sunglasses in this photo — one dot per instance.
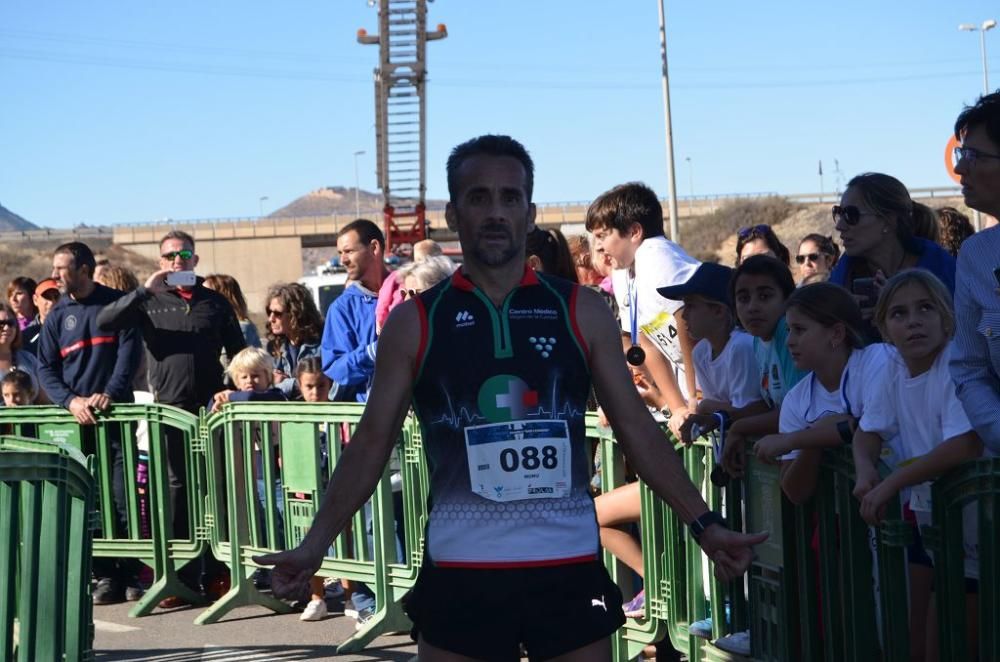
[294, 330]
[760, 240]
[876, 219]
[11, 355]
[816, 257]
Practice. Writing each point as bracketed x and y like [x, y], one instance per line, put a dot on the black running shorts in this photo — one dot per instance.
[488, 613]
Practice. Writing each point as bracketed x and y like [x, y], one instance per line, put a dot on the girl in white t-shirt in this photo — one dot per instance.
[821, 411]
[916, 423]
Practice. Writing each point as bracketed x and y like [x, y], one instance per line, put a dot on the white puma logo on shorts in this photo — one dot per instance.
[594, 602]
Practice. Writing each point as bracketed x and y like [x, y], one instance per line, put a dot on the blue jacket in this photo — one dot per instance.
[288, 361]
[77, 358]
[932, 257]
[348, 345]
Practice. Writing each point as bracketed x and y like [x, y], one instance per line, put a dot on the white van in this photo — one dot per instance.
[325, 285]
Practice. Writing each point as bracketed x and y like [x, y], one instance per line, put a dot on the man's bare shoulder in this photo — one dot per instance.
[401, 333]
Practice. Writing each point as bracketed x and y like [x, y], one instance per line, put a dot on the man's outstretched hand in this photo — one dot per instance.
[730, 551]
[292, 571]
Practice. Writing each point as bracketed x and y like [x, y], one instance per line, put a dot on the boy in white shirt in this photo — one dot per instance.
[627, 224]
[724, 360]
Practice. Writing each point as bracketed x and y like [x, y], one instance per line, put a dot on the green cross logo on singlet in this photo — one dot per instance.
[505, 398]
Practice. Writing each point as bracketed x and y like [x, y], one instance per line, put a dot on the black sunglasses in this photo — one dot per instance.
[749, 231]
[6, 322]
[812, 257]
[849, 214]
[184, 255]
[277, 313]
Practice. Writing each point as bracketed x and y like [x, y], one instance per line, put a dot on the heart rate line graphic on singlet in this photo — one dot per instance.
[504, 398]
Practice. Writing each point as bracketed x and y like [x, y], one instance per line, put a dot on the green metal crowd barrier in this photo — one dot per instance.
[246, 443]
[968, 496]
[797, 602]
[159, 548]
[46, 528]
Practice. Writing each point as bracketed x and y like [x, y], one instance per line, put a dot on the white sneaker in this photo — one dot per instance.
[737, 643]
[349, 609]
[314, 611]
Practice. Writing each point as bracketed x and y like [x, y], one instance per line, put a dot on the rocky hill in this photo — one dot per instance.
[338, 200]
[11, 222]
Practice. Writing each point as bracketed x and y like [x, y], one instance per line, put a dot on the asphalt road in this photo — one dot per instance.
[247, 634]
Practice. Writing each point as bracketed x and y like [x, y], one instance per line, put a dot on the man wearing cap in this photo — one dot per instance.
[627, 224]
[723, 358]
[45, 296]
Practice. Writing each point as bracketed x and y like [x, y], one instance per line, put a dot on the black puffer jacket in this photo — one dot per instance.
[183, 340]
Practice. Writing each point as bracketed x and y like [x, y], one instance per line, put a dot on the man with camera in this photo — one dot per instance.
[185, 327]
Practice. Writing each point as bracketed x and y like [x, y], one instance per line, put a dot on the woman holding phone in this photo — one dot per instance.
[876, 219]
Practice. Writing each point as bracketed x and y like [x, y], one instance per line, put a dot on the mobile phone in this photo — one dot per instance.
[865, 287]
[181, 279]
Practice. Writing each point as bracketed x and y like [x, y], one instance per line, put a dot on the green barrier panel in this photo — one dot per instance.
[851, 616]
[245, 442]
[162, 424]
[46, 528]
[675, 576]
[975, 487]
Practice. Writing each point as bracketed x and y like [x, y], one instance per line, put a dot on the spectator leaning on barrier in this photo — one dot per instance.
[627, 224]
[523, 566]
[348, 346]
[45, 296]
[185, 330]
[86, 370]
[975, 359]
[294, 329]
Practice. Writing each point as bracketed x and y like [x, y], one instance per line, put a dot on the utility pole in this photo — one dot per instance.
[675, 231]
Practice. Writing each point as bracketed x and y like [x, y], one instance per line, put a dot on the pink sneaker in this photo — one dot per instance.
[636, 607]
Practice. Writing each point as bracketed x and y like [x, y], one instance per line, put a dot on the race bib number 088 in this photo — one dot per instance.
[519, 460]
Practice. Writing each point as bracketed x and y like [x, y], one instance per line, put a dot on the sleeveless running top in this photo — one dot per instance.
[506, 387]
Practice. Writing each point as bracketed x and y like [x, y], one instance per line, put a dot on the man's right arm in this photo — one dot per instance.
[125, 312]
[362, 463]
[976, 385]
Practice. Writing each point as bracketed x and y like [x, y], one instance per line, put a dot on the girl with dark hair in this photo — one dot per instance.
[816, 257]
[760, 240]
[548, 252]
[19, 295]
[825, 338]
[294, 330]
[876, 219]
[759, 288]
[12, 357]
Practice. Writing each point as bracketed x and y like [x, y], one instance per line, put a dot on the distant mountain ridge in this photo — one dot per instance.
[11, 222]
[338, 200]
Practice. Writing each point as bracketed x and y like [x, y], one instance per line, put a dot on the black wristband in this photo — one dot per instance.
[844, 429]
[706, 520]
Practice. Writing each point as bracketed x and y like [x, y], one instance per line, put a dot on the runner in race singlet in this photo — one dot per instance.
[505, 436]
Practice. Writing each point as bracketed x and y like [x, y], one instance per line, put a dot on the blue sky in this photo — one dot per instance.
[134, 111]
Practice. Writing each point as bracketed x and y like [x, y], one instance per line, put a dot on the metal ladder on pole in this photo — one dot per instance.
[400, 117]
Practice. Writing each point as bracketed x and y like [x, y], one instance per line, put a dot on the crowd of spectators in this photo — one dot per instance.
[885, 335]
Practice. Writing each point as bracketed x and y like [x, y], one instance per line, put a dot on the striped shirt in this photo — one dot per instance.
[975, 359]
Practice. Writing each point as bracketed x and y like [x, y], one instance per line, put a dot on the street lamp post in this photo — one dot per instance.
[357, 198]
[986, 26]
[260, 205]
[675, 232]
[691, 186]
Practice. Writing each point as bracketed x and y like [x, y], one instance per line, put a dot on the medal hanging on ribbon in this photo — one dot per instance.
[635, 355]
